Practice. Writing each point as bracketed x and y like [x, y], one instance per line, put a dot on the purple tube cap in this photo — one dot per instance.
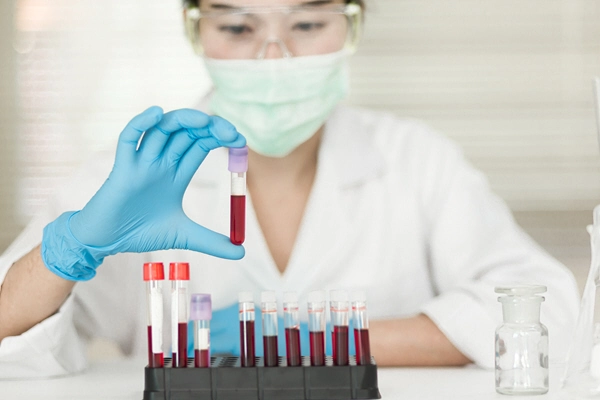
[238, 159]
[200, 307]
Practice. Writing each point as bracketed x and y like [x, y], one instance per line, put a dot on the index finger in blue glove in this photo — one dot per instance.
[157, 137]
[218, 133]
[179, 143]
[130, 136]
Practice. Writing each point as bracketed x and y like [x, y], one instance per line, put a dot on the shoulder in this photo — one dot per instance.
[398, 140]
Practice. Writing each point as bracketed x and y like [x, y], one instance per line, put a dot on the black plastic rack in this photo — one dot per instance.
[226, 379]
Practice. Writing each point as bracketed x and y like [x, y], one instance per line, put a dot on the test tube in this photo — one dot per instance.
[247, 346]
[360, 321]
[201, 314]
[316, 327]
[179, 274]
[338, 303]
[268, 302]
[238, 165]
[154, 274]
[291, 322]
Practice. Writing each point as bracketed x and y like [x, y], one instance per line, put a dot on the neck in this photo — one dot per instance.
[296, 167]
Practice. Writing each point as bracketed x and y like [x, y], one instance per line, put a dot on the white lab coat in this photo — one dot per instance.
[395, 210]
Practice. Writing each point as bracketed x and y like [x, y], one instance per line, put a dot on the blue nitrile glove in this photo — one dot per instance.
[225, 334]
[139, 207]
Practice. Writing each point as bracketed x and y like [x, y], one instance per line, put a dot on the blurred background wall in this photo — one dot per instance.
[8, 128]
[509, 80]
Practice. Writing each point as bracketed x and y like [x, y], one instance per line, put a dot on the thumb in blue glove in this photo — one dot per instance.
[139, 207]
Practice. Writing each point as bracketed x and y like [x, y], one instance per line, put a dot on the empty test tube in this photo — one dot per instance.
[316, 327]
[338, 302]
[201, 314]
[238, 165]
[154, 274]
[179, 274]
[247, 315]
[268, 302]
[291, 322]
[360, 321]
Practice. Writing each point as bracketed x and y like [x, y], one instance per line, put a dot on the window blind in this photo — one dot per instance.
[509, 80]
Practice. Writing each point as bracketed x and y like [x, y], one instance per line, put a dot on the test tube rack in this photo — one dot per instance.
[226, 379]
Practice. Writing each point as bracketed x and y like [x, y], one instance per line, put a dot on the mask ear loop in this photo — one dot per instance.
[263, 50]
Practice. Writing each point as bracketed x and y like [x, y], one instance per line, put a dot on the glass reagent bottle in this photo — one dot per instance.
[521, 342]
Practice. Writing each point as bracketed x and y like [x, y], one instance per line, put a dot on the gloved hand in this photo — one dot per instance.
[225, 334]
[139, 207]
[225, 331]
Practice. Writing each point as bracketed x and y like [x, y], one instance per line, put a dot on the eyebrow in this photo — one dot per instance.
[222, 6]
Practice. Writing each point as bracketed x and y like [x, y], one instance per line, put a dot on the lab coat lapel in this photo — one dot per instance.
[347, 159]
[258, 264]
[322, 233]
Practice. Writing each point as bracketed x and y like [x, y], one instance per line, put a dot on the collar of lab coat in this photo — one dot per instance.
[350, 148]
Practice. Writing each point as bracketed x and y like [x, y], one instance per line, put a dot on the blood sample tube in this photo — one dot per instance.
[238, 165]
[247, 346]
[154, 274]
[338, 302]
[179, 274]
[316, 327]
[268, 304]
[360, 321]
[201, 314]
[291, 322]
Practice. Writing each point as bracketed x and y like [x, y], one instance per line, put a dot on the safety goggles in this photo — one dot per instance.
[248, 32]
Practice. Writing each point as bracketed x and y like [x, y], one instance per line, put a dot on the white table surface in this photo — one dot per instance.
[124, 379]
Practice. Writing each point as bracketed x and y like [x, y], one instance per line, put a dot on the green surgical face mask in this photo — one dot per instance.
[278, 104]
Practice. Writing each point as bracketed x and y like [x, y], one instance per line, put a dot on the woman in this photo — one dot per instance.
[338, 198]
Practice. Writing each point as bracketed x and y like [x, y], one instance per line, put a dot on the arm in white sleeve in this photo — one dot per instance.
[50, 348]
[53, 346]
[475, 245]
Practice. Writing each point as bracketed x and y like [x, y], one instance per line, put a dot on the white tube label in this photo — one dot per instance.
[182, 312]
[156, 318]
[238, 184]
[174, 322]
[203, 339]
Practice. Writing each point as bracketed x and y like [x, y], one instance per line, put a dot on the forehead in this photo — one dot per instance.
[254, 3]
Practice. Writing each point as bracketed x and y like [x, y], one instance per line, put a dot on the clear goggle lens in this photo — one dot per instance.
[246, 33]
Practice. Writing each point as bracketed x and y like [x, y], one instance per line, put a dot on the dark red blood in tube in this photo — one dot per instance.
[180, 357]
[340, 345]
[270, 349]
[317, 348]
[201, 358]
[363, 346]
[237, 232]
[155, 360]
[247, 349]
[292, 346]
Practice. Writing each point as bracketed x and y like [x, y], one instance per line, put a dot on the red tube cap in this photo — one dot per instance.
[179, 271]
[154, 271]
